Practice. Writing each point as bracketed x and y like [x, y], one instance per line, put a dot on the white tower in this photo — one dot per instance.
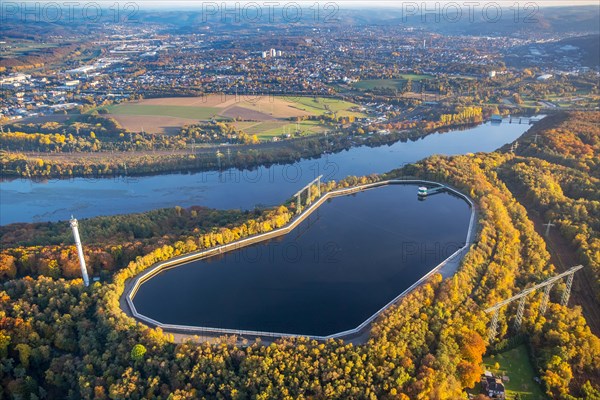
[84, 273]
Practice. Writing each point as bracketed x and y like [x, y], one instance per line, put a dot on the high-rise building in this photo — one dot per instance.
[273, 53]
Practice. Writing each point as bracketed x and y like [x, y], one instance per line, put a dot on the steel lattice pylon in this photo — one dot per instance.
[494, 325]
[306, 188]
[547, 285]
[567, 293]
[520, 311]
[545, 299]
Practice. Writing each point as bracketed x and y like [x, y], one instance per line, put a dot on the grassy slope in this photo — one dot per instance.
[321, 106]
[269, 129]
[306, 127]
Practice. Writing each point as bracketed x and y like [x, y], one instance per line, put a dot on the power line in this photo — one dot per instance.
[547, 285]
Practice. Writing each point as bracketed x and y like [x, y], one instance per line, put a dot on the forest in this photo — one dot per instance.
[121, 163]
[60, 150]
[556, 173]
[94, 133]
[59, 339]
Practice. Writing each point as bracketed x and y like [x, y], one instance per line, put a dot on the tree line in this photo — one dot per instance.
[59, 339]
[62, 340]
[560, 177]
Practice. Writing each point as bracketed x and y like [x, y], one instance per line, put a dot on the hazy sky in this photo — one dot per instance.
[174, 4]
[387, 3]
[348, 3]
[501, 2]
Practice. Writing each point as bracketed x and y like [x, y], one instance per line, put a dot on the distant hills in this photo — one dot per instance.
[571, 21]
[590, 48]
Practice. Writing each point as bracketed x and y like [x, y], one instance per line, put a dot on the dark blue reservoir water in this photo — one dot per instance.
[349, 259]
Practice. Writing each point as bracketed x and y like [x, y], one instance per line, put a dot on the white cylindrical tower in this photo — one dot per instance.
[84, 273]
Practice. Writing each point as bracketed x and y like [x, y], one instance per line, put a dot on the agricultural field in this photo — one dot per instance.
[196, 113]
[516, 365]
[152, 124]
[322, 106]
[564, 102]
[24, 48]
[370, 84]
[417, 77]
[268, 130]
[264, 116]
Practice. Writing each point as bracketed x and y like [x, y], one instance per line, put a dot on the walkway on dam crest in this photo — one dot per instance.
[360, 334]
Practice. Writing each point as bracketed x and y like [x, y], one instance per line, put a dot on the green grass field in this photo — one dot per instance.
[246, 126]
[26, 48]
[316, 106]
[322, 105]
[305, 127]
[268, 130]
[369, 84]
[266, 127]
[416, 77]
[201, 113]
[515, 364]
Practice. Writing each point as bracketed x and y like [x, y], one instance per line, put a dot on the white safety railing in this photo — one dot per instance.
[197, 330]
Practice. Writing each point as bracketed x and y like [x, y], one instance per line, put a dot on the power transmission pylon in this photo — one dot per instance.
[567, 293]
[545, 299]
[520, 311]
[547, 285]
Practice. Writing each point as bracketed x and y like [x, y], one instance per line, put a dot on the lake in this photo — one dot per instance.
[23, 200]
[351, 257]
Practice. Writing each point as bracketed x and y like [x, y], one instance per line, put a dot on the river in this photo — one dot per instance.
[23, 200]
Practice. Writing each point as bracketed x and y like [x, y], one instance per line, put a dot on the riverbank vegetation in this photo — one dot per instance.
[186, 159]
[61, 340]
[92, 145]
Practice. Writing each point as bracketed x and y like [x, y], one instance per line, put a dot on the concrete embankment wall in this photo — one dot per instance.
[132, 286]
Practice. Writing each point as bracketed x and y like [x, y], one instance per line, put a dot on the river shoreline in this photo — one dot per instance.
[26, 200]
[203, 159]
